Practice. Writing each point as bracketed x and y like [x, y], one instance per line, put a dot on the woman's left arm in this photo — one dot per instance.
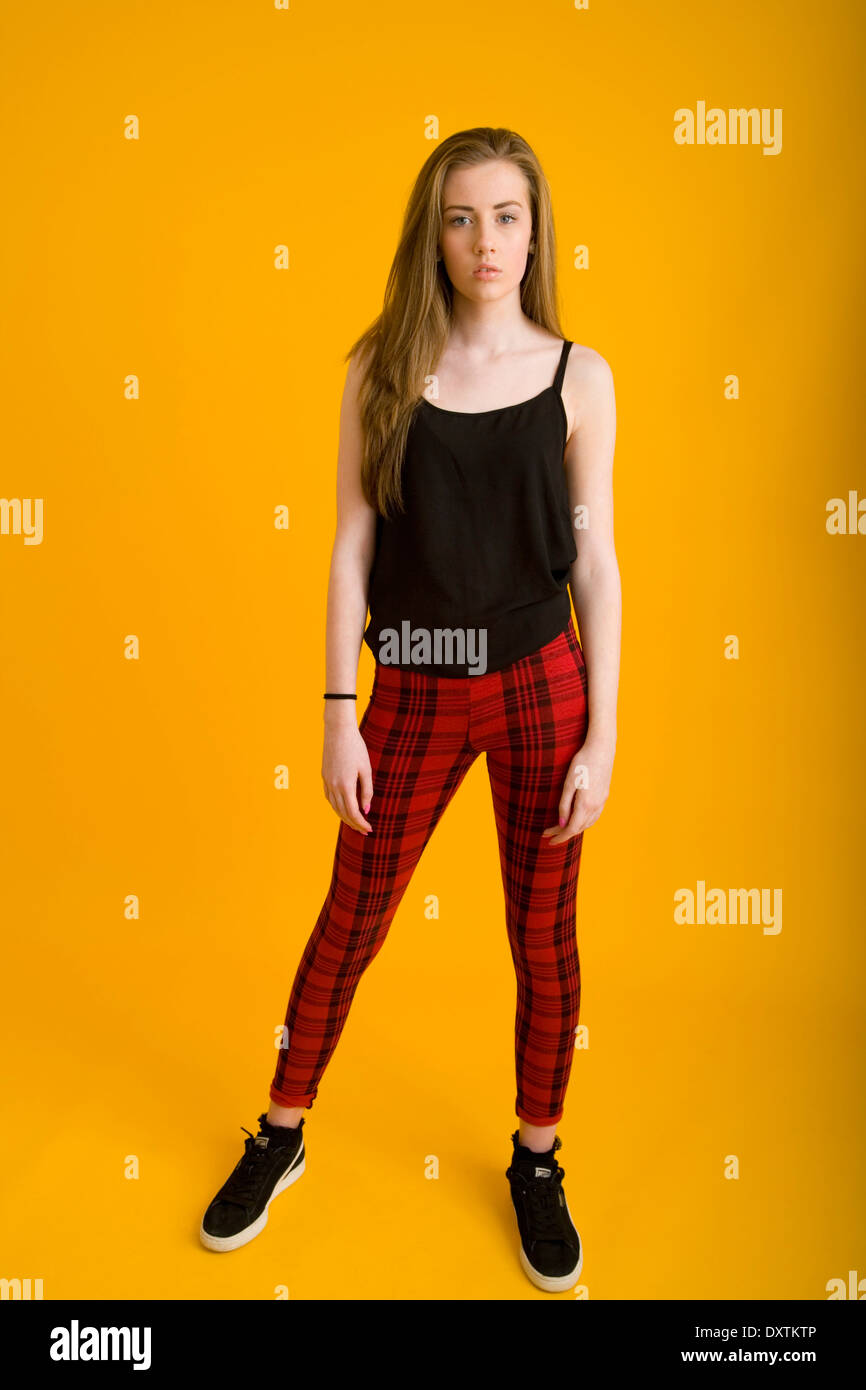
[595, 585]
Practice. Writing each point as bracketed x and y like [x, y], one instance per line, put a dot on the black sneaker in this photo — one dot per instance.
[272, 1161]
[550, 1250]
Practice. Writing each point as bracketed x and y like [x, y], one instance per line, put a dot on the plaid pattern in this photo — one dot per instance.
[423, 732]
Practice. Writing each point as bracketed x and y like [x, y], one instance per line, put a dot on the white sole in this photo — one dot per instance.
[221, 1243]
[563, 1281]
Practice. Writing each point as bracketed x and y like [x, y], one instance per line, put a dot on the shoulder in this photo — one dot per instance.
[588, 385]
[586, 365]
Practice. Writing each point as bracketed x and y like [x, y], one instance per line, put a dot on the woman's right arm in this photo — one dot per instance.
[345, 761]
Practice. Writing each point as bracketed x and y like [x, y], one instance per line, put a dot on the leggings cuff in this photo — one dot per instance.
[541, 1124]
[291, 1102]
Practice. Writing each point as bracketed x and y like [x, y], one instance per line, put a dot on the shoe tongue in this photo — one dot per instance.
[273, 1135]
[538, 1165]
[265, 1135]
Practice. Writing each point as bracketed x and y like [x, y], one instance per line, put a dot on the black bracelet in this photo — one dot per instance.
[339, 697]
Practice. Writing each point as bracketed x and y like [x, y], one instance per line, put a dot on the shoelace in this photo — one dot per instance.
[543, 1196]
[241, 1186]
[545, 1201]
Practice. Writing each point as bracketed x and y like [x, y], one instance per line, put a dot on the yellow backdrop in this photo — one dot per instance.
[163, 650]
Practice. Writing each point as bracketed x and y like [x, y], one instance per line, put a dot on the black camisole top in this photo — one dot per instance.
[473, 575]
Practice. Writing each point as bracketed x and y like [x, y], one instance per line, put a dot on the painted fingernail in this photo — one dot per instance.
[562, 820]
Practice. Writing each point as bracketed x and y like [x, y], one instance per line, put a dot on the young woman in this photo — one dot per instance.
[476, 445]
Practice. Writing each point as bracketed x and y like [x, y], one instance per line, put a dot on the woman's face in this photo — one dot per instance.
[486, 218]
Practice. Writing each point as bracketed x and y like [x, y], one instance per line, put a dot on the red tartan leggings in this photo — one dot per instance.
[423, 733]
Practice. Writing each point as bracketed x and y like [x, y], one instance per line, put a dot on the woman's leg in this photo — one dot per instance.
[415, 728]
[532, 732]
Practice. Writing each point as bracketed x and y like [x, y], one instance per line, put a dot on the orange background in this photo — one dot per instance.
[156, 777]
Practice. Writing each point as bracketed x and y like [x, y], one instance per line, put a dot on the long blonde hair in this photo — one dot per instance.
[402, 346]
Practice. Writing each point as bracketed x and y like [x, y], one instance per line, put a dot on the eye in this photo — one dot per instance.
[461, 217]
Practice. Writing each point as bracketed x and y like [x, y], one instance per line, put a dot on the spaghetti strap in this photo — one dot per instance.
[560, 371]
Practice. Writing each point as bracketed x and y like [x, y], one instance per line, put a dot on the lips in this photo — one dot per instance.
[485, 270]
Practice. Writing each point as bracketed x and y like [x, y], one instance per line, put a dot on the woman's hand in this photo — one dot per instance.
[345, 759]
[585, 790]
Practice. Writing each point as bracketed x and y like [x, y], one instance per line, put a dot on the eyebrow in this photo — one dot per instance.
[465, 207]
